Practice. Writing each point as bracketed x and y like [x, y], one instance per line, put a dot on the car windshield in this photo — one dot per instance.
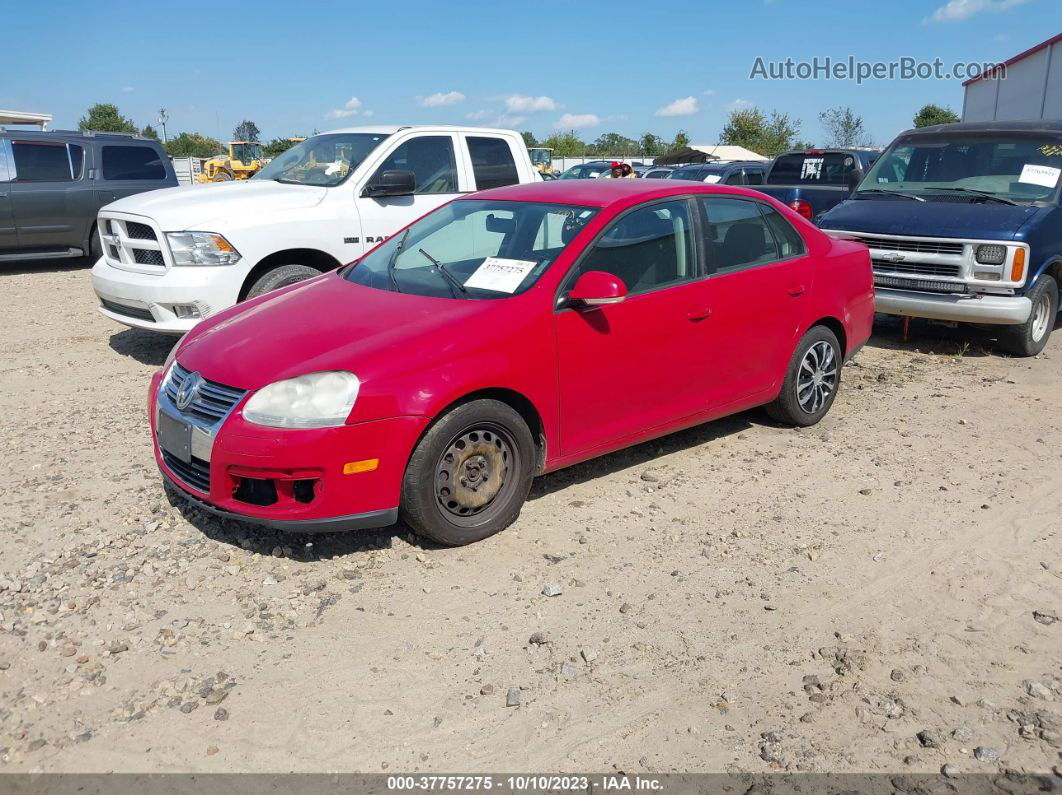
[472, 249]
[584, 172]
[246, 152]
[697, 173]
[324, 160]
[1014, 167]
[812, 168]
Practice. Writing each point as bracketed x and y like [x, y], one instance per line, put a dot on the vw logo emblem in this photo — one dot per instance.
[188, 391]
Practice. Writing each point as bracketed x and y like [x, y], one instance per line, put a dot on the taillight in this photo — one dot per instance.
[801, 207]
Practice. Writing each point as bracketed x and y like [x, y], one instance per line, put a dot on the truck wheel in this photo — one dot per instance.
[1030, 337]
[95, 247]
[811, 380]
[469, 475]
[222, 176]
[281, 276]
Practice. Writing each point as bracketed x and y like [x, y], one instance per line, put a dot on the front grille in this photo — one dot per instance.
[921, 285]
[916, 246]
[138, 231]
[213, 402]
[920, 268]
[148, 256]
[195, 473]
[129, 311]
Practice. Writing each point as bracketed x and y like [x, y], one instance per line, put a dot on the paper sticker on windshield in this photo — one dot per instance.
[1040, 175]
[333, 168]
[500, 274]
[811, 168]
[711, 179]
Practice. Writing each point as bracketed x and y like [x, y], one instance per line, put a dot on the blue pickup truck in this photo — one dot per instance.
[814, 180]
[963, 224]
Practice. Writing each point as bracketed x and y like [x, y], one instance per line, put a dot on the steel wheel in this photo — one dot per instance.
[475, 474]
[817, 377]
[1041, 317]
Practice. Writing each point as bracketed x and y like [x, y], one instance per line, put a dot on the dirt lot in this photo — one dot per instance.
[882, 592]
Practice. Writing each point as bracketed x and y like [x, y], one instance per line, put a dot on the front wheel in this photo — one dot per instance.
[469, 475]
[1029, 338]
[281, 276]
[811, 380]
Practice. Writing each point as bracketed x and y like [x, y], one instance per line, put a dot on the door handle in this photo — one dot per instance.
[795, 290]
[698, 314]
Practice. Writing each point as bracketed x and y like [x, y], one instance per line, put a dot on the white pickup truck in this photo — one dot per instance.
[173, 257]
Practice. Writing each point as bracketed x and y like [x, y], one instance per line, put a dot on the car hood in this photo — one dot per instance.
[928, 219]
[326, 323]
[201, 207]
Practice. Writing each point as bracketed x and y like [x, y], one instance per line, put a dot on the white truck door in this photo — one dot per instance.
[439, 175]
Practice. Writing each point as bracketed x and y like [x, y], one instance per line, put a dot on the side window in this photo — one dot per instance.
[77, 159]
[735, 178]
[737, 236]
[132, 162]
[753, 176]
[787, 241]
[41, 162]
[431, 159]
[492, 162]
[647, 248]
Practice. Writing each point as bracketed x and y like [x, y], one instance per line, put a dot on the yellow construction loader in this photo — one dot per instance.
[542, 159]
[245, 159]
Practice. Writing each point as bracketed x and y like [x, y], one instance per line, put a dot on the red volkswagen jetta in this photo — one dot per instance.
[510, 333]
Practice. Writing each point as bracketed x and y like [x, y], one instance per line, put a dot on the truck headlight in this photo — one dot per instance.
[316, 400]
[990, 254]
[201, 248]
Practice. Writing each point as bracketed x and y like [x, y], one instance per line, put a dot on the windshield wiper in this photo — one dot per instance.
[452, 280]
[986, 194]
[891, 193]
[394, 258]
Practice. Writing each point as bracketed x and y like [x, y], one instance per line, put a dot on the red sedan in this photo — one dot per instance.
[510, 333]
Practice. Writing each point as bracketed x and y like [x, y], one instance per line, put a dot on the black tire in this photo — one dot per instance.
[811, 379]
[222, 176]
[95, 247]
[1030, 337]
[281, 276]
[467, 447]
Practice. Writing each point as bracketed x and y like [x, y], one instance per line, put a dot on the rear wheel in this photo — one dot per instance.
[222, 176]
[281, 276]
[95, 247]
[1029, 338]
[470, 474]
[811, 380]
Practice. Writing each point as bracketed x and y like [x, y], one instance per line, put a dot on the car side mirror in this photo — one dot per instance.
[391, 183]
[597, 288]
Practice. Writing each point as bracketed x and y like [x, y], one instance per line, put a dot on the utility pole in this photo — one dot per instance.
[163, 118]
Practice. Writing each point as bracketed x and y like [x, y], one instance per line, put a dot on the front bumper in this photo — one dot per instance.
[989, 309]
[241, 454]
[141, 295]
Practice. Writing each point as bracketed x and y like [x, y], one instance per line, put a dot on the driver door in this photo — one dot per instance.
[433, 161]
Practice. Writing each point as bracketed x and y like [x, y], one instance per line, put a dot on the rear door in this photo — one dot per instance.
[492, 160]
[439, 178]
[760, 276]
[8, 237]
[52, 202]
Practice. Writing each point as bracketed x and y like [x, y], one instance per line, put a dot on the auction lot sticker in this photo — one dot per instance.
[500, 274]
[1039, 175]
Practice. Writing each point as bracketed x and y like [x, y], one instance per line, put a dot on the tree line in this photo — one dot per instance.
[767, 133]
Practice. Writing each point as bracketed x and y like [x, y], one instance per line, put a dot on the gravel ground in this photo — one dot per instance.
[882, 592]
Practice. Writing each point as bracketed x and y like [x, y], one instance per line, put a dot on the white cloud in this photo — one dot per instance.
[685, 106]
[958, 10]
[367, 113]
[575, 121]
[127, 89]
[350, 108]
[518, 103]
[478, 115]
[740, 104]
[440, 99]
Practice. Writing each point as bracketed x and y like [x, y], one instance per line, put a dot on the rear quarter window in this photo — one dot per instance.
[492, 162]
[42, 162]
[132, 163]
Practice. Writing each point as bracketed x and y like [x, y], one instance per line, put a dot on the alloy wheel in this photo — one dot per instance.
[817, 377]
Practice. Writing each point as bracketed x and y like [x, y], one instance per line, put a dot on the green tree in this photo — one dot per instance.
[149, 132]
[844, 128]
[245, 131]
[529, 139]
[934, 114]
[104, 117]
[277, 146]
[682, 141]
[193, 145]
[651, 144]
[613, 144]
[765, 135]
[565, 144]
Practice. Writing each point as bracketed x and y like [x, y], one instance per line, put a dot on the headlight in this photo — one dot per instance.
[990, 254]
[317, 400]
[201, 248]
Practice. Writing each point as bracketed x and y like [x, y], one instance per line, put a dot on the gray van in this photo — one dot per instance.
[52, 185]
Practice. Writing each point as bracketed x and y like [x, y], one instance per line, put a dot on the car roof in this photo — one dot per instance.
[603, 192]
[55, 135]
[391, 129]
[988, 126]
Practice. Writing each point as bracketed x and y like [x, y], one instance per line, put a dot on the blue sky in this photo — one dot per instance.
[598, 67]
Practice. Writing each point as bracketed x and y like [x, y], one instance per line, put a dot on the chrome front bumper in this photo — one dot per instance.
[991, 309]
